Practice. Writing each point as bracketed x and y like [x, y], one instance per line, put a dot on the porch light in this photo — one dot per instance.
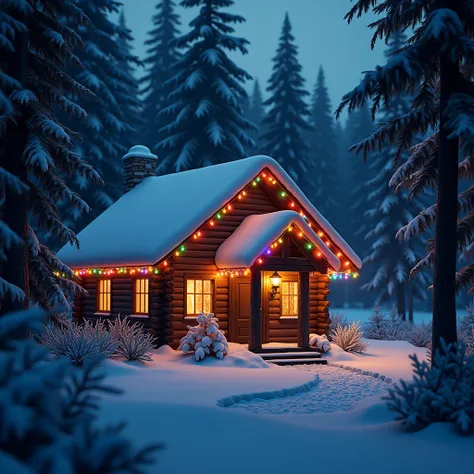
[275, 280]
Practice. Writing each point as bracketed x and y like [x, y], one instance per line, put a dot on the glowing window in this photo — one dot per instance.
[198, 296]
[289, 298]
[103, 296]
[140, 301]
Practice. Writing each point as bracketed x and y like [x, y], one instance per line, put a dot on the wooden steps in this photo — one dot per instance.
[290, 356]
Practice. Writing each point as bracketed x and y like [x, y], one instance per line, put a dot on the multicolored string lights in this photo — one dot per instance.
[265, 178]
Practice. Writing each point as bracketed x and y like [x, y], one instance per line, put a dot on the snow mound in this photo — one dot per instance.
[238, 356]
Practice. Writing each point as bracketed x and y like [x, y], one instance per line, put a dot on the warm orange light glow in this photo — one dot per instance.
[260, 260]
[280, 241]
[212, 223]
[290, 229]
[300, 234]
[195, 236]
[292, 204]
[199, 234]
[319, 254]
[224, 211]
[240, 196]
[244, 193]
[229, 207]
[177, 253]
[347, 264]
[328, 243]
[339, 254]
[320, 234]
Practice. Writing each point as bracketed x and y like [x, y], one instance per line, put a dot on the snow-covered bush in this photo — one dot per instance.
[441, 392]
[48, 409]
[335, 319]
[420, 335]
[349, 338]
[395, 328]
[375, 326]
[467, 338]
[466, 324]
[79, 342]
[133, 342]
[319, 342]
[205, 339]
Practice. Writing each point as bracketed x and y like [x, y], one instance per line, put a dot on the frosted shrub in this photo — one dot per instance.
[133, 342]
[420, 335]
[467, 338]
[442, 392]
[79, 342]
[395, 328]
[349, 338]
[205, 339]
[335, 319]
[467, 323]
[375, 326]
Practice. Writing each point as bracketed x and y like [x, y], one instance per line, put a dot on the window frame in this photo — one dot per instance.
[213, 293]
[289, 295]
[98, 296]
[134, 294]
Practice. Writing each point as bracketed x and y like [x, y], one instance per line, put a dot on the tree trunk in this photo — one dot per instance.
[410, 301]
[15, 208]
[401, 304]
[444, 304]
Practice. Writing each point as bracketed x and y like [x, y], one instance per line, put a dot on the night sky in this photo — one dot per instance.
[323, 37]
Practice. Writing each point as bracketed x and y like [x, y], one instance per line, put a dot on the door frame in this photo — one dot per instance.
[232, 326]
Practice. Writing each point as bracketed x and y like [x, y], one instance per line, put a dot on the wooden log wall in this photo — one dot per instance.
[319, 303]
[198, 261]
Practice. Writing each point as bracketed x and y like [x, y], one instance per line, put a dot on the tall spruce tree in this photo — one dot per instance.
[390, 260]
[323, 151]
[109, 127]
[205, 119]
[162, 56]
[36, 148]
[436, 62]
[256, 115]
[288, 114]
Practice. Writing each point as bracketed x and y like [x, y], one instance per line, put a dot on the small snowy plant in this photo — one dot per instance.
[205, 339]
[396, 329]
[319, 342]
[349, 338]
[420, 335]
[375, 327]
[441, 392]
[133, 342]
[335, 319]
[78, 342]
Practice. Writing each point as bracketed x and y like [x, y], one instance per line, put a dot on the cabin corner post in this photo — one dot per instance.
[255, 336]
[304, 311]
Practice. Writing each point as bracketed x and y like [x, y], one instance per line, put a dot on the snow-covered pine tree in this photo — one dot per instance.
[256, 115]
[38, 152]
[389, 260]
[288, 114]
[205, 120]
[49, 410]
[132, 108]
[162, 56]
[323, 151]
[104, 134]
[430, 62]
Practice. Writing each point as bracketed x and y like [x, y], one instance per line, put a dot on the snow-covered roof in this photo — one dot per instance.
[148, 222]
[140, 151]
[258, 232]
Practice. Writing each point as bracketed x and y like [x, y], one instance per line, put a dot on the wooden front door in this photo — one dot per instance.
[239, 317]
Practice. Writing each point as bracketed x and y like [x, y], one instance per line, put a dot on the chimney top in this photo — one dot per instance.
[140, 151]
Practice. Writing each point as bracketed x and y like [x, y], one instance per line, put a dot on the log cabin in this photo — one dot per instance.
[238, 239]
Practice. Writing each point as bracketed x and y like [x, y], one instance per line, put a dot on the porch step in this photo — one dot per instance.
[288, 355]
[297, 361]
[285, 350]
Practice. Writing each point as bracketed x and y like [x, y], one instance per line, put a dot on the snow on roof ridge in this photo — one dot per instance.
[258, 231]
[152, 219]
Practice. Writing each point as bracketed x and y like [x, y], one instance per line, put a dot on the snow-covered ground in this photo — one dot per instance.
[363, 315]
[174, 400]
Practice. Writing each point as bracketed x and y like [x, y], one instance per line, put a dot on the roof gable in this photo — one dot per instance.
[254, 237]
[145, 225]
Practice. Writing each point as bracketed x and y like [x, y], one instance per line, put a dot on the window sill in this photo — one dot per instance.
[190, 318]
[102, 313]
[288, 317]
[139, 316]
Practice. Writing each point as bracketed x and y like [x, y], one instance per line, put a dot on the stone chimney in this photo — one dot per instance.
[139, 163]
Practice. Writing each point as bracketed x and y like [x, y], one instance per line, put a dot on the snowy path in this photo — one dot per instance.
[338, 390]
